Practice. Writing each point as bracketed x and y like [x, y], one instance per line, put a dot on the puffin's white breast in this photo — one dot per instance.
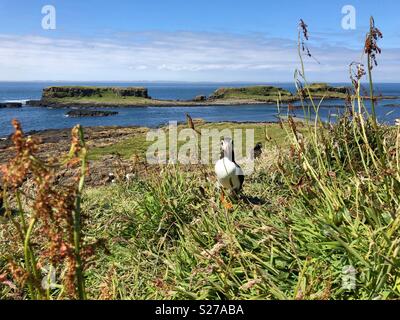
[226, 172]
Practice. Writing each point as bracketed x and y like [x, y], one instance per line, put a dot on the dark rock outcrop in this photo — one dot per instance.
[90, 113]
[200, 98]
[10, 105]
[34, 103]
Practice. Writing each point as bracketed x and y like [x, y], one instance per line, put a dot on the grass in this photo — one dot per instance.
[256, 93]
[320, 90]
[169, 236]
[172, 238]
[94, 95]
[105, 99]
[271, 133]
[318, 219]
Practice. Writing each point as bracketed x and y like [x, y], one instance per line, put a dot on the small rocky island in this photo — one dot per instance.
[263, 94]
[9, 105]
[80, 97]
[100, 92]
[116, 97]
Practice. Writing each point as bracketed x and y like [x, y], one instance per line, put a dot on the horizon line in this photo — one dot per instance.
[187, 81]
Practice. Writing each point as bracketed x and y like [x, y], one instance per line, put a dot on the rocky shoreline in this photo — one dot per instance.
[89, 113]
[9, 105]
[54, 143]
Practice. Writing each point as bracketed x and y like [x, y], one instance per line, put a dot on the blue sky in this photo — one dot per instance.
[196, 40]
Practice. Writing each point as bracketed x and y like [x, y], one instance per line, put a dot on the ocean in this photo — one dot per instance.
[36, 118]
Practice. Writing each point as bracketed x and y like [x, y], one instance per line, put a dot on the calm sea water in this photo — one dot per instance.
[34, 118]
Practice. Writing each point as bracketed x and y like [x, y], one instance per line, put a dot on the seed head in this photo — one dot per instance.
[371, 47]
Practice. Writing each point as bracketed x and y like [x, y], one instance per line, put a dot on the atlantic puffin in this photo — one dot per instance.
[229, 174]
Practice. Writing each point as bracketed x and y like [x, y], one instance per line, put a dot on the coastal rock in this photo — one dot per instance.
[58, 141]
[34, 103]
[131, 92]
[10, 105]
[200, 98]
[79, 92]
[90, 113]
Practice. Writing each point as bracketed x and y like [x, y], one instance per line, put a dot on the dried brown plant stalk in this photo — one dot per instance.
[49, 225]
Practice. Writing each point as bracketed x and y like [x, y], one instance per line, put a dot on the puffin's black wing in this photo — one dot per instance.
[240, 175]
[241, 179]
[239, 171]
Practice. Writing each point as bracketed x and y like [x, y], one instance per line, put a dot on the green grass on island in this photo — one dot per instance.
[256, 93]
[324, 90]
[106, 99]
[93, 95]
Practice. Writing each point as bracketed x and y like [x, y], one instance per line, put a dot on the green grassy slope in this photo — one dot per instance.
[292, 235]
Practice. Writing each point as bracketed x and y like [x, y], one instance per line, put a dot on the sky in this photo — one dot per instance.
[191, 40]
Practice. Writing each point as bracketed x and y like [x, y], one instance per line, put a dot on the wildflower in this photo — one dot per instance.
[53, 207]
[371, 47]
[357, 71]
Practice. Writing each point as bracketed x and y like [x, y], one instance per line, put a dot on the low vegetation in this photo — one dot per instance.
[256, 93]
[105, 99]
[318, 219]
[137, 145]
[323, 90]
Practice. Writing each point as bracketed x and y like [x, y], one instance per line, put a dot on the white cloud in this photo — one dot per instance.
[178, 56]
